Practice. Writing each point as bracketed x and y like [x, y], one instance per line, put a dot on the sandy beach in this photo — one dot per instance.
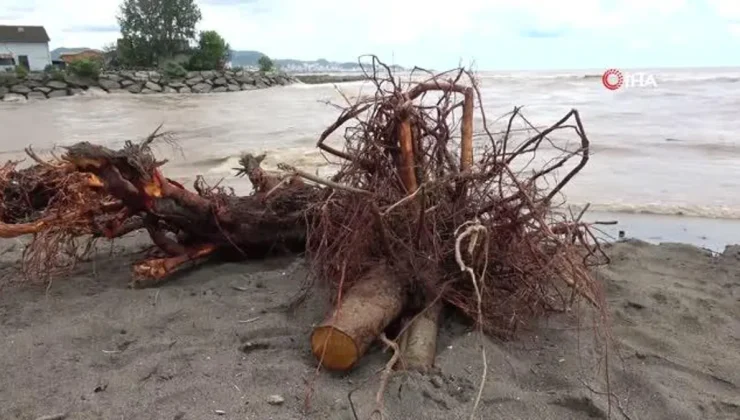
[218, 343]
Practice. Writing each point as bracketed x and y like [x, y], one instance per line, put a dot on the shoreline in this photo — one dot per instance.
[707, 233]
[315, 79]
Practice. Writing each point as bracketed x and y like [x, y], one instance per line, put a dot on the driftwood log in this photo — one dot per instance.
[125, 190]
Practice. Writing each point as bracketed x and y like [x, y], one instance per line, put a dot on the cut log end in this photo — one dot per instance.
[366, 309]
[335, 349]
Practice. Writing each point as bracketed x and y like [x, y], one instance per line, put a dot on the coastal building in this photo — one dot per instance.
[88, 54]
[26, 46]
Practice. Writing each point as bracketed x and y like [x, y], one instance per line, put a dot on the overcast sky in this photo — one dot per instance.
[495, 34]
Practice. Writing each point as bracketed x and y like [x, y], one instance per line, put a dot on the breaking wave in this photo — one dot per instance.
[706, 212]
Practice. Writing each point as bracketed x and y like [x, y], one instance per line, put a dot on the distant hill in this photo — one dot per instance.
[250, 59]
[245, 58]
[55, 53]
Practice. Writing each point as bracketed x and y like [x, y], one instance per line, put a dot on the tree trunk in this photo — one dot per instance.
[419, 341]
[366, 310]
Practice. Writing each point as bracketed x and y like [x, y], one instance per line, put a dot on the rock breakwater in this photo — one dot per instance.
[15, 88]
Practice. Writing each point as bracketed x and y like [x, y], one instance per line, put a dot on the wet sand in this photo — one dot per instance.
[217, 343]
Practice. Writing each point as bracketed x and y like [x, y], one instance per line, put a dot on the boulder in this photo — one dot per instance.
[185, 89]
[20, 89]
[153, 86]
[77, 81]
[201, 88]
[126, 83]
[192, 74]
[36, 95]
[246, 86]
[3, 91]
[14, 97]
[109, 84]
[57, 93]
[146, 91]
[220, 82]
[111, 76]
[8, 78]
[208, 74]
[219, 89]
[37, 77]
[134, 88]
[177, 84]
[155, 77]
[56, 84]
[261, 84]
[246, 78]
[75, 91]
[168, 89]
[42, 89]
[141, 76]
[192, 81]
[233, 88]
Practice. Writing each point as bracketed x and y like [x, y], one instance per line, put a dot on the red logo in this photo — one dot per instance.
[612, 79]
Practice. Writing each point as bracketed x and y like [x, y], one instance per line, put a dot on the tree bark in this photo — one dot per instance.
[366, 310]
[419, 341]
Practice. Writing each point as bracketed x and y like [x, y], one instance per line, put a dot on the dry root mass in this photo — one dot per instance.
[430, 209]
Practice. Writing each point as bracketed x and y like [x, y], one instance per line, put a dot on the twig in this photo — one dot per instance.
[609, 396]
[60, 416]
[319, 180]
[402, 201]
[250, 320]
[385, 377]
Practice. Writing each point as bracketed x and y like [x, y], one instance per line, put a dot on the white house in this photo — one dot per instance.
[24, 45]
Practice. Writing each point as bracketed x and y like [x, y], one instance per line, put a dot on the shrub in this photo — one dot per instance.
[54, 72]
[85, 68]
[265, 64]
[175, 70]
[21, 72]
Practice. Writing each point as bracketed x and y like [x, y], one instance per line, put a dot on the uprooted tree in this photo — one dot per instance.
[423, 213]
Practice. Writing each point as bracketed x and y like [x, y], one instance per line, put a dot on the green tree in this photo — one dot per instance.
[155, 29]
[265, 64]
[212, 53]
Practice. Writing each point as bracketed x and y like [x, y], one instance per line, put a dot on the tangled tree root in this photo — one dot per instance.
[458, 221]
